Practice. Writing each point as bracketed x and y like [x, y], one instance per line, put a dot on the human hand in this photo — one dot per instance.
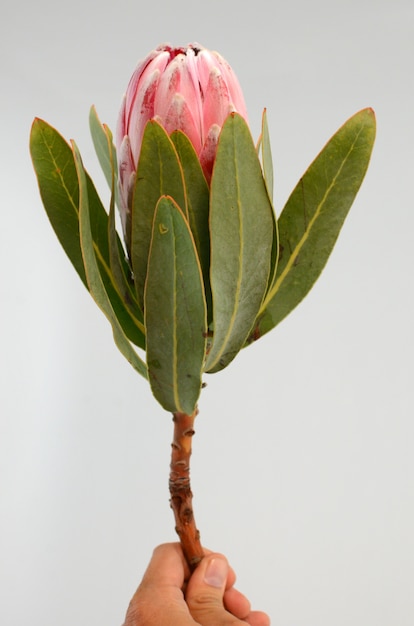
[170, 596]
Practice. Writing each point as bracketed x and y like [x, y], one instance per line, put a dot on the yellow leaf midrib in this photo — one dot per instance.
[76, 209]
[295, 252]
[239, 277]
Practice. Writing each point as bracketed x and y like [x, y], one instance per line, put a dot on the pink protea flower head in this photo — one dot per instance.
[189, 89]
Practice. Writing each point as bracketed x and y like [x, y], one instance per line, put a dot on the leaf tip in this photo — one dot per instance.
[369, 111]
[36, 122]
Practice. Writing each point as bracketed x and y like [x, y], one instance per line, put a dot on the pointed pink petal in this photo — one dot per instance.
[217, 104]
[179, 117]
[208, 153]
[121, 129]
[154, 60]
[233, 86]
[168, 86]
[143, 111]
[205, 63]
[189, 89]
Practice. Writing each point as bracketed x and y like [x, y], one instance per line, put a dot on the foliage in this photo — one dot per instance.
[206, 269]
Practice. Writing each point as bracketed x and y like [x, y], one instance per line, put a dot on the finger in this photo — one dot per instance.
[258, 618]
[239, 606]
[231, 577]
[205, 592]
[167, 566]
[236, 603]
[161, 587]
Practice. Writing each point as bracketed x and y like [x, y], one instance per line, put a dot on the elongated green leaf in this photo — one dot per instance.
[106, 152]
[94, 279]
[124, 284]
[99, 221]
[241, 232]
[198, 201]
[175, 311]
[159, 173]
[314, 214]
[267, 164]
[119, 268]
[101, 134]
[267, 156]
[58, 183]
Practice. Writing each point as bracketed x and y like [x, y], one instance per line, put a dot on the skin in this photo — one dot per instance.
[169, 596]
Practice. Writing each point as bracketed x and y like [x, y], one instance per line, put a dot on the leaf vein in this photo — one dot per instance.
[296, 250]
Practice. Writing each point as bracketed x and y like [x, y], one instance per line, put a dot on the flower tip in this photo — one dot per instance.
[180, 88]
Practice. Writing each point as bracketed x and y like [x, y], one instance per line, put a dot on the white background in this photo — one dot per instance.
[303, 460]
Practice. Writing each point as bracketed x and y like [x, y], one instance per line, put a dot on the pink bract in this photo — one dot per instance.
[189, 89]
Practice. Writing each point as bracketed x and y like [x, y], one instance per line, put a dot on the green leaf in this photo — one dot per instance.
[101, 134]
[198, 201]
[241, 232]
[119, 267]
[58, 183]
[93, 275]
[175, 311]
[100, 226]
[314, 214]
[267, 165]
[124, 285]
[159, 173]
[267, 156]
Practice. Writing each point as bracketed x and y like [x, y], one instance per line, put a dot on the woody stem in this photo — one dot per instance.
[180, 488]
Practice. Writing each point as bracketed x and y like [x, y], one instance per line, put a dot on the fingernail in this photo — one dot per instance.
[216, 573]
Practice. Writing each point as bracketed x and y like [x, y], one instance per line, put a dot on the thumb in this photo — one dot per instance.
[205, 592]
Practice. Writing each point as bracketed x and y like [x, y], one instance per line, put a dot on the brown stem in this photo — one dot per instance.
[180, 488]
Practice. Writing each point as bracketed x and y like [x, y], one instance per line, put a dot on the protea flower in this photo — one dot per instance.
[210, 268]
[189, 89]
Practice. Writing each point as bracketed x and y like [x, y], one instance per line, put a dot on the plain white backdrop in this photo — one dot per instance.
[303, 465]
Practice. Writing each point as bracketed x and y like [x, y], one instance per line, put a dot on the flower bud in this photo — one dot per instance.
[189, 89]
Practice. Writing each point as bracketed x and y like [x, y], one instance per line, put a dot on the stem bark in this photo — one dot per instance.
[180, 489]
